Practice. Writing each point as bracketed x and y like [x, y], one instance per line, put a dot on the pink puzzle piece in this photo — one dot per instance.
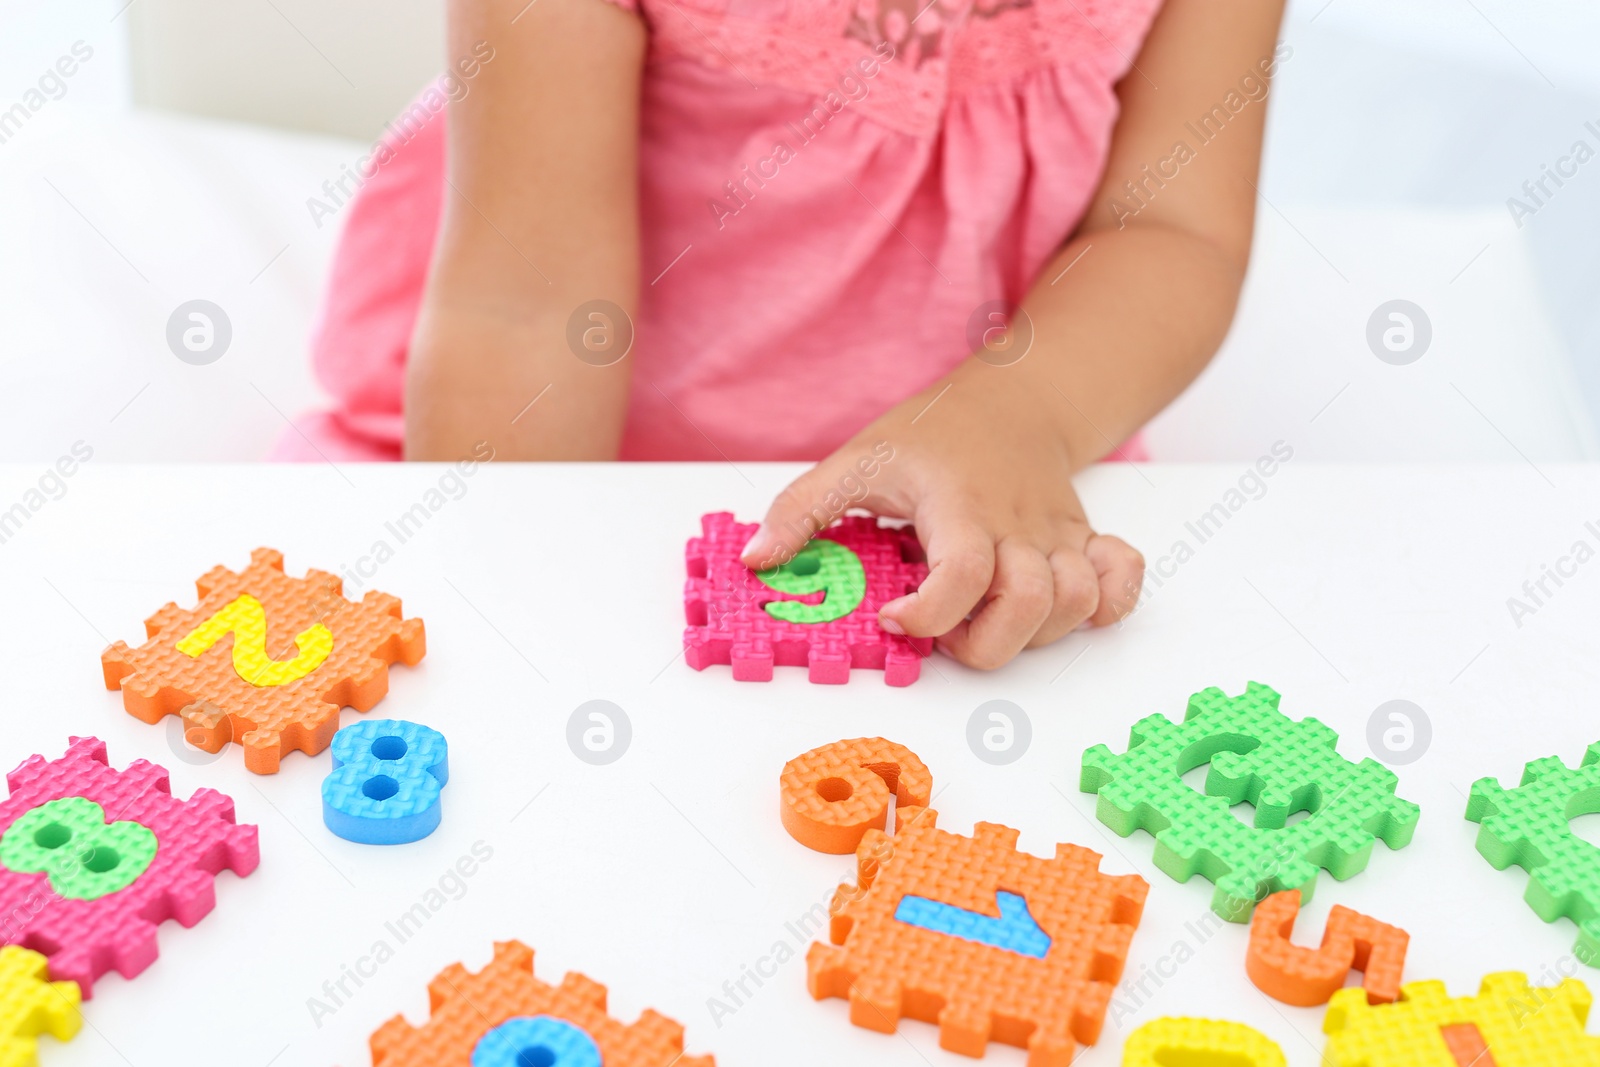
[725, 604]
[196, 839]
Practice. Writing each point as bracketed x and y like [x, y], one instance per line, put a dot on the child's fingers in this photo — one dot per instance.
[796, 515]
[960, 568]
[1077, 595]
[1020, 600]
[1120, 569]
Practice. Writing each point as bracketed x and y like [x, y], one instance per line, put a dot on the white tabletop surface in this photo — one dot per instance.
[665, 873]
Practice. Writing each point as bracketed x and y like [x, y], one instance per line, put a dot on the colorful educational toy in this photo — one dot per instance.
[1258, 755]
[835, 793]
[818, 610]
[468, 1008]
[32, 1005]
[243, 690]
[84, 934]
[1013, 930]
[387, 780]
[104, 857]
[995, 944]
[1531, 827]
[1200, 1043]
[1307, 977]
[536, 1039]
[1518, 1025]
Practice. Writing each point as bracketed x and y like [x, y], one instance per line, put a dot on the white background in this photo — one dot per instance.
[665, 873]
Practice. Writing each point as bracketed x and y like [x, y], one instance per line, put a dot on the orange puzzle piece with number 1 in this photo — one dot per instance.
[1307, 977]
[264, 660]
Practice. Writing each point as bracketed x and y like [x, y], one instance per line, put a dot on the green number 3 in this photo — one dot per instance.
[70, 840]
[825, 567]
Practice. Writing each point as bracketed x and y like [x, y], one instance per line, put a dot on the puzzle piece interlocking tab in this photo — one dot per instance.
[264, 660]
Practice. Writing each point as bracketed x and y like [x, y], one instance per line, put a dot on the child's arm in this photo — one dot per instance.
[1124, 318]
[540, 217]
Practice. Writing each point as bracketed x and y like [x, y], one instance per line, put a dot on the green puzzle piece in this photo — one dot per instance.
[70, 840]
[1258, 755]
[823, 566]
[1531, 826]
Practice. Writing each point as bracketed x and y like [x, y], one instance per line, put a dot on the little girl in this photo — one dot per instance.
[951, 250]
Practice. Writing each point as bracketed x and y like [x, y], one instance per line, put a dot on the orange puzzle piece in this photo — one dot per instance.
[835, 793]
[1307, 977]
[467, 1006]
[955, 955]
[264, 660]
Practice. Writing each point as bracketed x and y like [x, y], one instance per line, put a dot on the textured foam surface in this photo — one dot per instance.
[1258, 755]
[1531, 827]
[466, 1006]
[1014, 930]
[387, 783]
[1306, 977]
[835, 793]
[195, 839]
[1200, 1043]
[734, 616]
[31, 1006]
[977, 992]
[71, 840]
[536, 1040]
[1520, 1025]
[272, 678]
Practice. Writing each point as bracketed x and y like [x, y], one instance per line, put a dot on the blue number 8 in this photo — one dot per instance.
[537, 1040]
[386, 783]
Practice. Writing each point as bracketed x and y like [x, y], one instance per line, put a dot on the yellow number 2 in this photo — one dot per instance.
[247, 621]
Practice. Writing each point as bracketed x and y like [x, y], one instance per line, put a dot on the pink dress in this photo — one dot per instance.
[829, 189]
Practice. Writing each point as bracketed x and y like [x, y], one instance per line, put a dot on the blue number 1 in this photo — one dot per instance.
[1015, 930]
[536, 1041]
[386, 782]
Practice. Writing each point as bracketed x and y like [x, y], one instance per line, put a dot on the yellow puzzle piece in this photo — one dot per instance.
[31, 1005]
[1508, 1024]
[1200, 1043]
[246, 619]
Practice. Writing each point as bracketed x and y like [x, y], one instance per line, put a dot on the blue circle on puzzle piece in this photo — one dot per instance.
[536, 1041]
[387, 781]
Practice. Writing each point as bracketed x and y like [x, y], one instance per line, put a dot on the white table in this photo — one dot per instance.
[665, 873]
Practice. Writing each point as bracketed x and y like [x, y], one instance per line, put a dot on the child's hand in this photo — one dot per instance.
[982, 460]
[985, 474]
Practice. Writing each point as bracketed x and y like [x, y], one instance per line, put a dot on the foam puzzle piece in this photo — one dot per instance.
[1307, 977]
[387, 782]
[1014, 931]
[1466, 1045]
[465, 1007]
[821, 566]
[240, 689]
[978, 993]
[85, 856]
[835, 793]
[739, 617]
[1531, 827]
[536, 1039]
[1520, 1026]
[31, 1005]
[1200, 1043]
[196, 839]
[1258, 755]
